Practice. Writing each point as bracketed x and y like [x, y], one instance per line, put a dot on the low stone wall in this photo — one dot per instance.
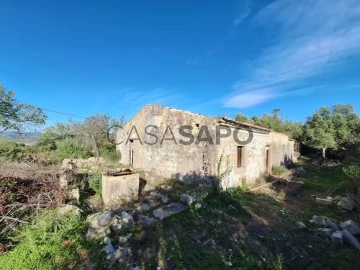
[118, 187]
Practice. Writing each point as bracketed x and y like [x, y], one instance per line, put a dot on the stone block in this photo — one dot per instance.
[347, 204]
[186, 199]
[337, 238]
[351, 239]
[118, 188]
[350, 226]
[168, 210]
[324, 201]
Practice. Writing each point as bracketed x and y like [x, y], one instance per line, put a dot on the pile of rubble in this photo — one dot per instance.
[337, 232]
[345, 203]
[120, 221]
[91, 163]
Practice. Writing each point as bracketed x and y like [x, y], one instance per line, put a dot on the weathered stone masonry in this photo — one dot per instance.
[166, 154]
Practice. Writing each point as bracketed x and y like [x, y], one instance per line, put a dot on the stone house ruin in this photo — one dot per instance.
[182, 145]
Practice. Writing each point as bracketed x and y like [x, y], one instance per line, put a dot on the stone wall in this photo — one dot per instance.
[253, 159]
[281, 149]
[166, 158]
[178, 161]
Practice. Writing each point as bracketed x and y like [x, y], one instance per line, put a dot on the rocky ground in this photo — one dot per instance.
[301, 220]
[280, 226]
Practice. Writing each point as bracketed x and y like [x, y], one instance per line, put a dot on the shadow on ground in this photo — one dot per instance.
[235, 230]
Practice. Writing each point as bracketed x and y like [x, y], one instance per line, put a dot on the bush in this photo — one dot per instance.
[12, 151]
[351, 185]
[279, 170]
[95, 182]
[49, 242]
[70, 148]
[109, 152]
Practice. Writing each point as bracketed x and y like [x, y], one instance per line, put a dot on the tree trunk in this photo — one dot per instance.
[323, 154]
[96, 146]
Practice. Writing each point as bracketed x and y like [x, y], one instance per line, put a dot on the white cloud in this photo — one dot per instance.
[311, 38]
[244, 8]
[155, 96]
[241, 17]
[250, 98]
[194, 61]
[197, 60]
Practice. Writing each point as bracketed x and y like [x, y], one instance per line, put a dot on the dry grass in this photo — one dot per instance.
[25, 188]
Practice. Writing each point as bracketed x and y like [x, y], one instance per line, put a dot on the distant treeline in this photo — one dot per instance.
[327, 128]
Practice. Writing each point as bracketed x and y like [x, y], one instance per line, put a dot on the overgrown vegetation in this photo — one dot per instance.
[274, 121]
[230, 229]
[81, 139]
[25, 188]
[279, 170]
[49, 241]
[223, 171]
[327, 128]
[352, 182]
[94, 181]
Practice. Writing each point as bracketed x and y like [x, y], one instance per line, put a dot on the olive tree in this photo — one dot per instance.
[18, 116]
[331, 127]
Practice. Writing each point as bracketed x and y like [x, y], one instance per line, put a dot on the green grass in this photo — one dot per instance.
[331, 180]
[184, 241]
[323, 179]
[50, 241]
[94, 181]
[250, 231]
[279, 170]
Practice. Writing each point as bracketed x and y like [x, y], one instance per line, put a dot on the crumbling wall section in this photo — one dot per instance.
[252, 166]
[160, 149]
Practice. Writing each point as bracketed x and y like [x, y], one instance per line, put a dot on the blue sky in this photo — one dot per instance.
[209, 57]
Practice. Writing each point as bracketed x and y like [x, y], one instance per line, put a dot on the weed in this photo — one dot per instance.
[49, 242]
[222, 175]
[95, 182]
[279, 170]
[351, 184]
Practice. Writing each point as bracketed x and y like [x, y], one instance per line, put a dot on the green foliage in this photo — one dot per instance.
[81, 139]
[15, 115]
[56, 133]
[326, 128]
[222, 174]
[331, 127]
[70, 148]
[49, 242]
[335, 180]
[279, 170]
[94, 133]
[352, 172]
[109, 152]
[95, 182]
[242, 118]
[12, 151]
[274, 122]
[352, 182]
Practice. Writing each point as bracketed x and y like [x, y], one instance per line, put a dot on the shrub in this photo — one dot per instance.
[279, 170]
[70, 148]
[12, 151]
[95, 182]
[108, 151]
[49, 242]
[351, 184]
[223, 172]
